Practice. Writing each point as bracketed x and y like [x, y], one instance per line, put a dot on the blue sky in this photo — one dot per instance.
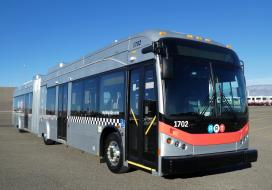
[37, 34]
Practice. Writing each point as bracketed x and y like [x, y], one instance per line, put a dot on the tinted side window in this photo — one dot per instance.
[150, 114]
[77, 98]
[30, 102]
[21, 103]
[112, 95]
[90, 102]
[51, 101]
[16, 104]
[26, 96]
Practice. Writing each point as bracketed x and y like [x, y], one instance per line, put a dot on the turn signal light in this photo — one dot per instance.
[199, 38]
[207, 40]
[169, 141]
[162, 33]
[229, 46]
[190, 36]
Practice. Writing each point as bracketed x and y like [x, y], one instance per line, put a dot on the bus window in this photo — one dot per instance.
[27, 107]
[16, 104]
[150, 114]
[112, 96]
[134, 112]
[90, 103]
[77, 97]
[19, 103]
[51, 101]
[30, 102]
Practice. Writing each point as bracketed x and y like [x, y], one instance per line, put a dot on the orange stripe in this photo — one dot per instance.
[203, 139]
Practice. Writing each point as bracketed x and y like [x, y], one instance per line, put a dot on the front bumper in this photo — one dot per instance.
[192, 163]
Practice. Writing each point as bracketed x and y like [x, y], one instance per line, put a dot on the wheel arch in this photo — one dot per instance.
[105, 133]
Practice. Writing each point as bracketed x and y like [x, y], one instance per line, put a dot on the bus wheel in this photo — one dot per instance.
[47, 141]
[113, 153]
[21, 131]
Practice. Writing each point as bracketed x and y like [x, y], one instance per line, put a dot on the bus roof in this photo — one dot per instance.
[118, 52]
[151, 35]
[156, 34]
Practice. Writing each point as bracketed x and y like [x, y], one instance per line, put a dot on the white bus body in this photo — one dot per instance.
[111, 103]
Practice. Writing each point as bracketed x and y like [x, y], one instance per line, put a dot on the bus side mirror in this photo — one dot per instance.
[148, 49]
[167, 68]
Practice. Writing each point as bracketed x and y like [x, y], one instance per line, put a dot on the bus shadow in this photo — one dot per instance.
[209, 172]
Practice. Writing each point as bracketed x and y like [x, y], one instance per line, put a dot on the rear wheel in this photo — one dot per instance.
[21, 131]
[113, 153]
[47, 141]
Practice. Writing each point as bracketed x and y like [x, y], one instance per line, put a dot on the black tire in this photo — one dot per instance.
[47, 141]
[21, 131]
[115, 165]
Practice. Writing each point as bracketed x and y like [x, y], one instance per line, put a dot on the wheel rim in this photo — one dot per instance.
[113, 153]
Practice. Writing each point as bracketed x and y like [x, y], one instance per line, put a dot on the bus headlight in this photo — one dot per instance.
[177, 144]
[183, 146]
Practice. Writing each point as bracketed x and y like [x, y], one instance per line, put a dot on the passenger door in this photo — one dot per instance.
[62, 111]
[142, 117]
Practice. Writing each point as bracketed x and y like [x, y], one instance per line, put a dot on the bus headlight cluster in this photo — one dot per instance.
[176, 143]
[244, 139]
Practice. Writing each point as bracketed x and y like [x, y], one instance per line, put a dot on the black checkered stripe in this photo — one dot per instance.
[94, 120]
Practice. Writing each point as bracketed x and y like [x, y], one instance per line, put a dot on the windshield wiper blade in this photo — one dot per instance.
[230, 108]
[187, 114]
[210, 103]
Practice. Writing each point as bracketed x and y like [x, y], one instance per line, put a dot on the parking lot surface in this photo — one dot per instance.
[26, 163]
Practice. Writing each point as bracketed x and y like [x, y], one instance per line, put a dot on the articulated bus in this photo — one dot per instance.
[160, 101]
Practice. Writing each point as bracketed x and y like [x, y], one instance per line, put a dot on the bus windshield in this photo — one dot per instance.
[206, 84]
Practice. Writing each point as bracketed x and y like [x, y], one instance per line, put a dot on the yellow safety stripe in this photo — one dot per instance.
[150, 125]
[140, 165]
[134, 117]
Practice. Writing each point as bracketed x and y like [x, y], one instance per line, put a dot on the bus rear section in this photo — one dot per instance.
[204, 120]
[22, 110]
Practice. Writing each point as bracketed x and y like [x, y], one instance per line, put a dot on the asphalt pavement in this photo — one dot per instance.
[26, 163]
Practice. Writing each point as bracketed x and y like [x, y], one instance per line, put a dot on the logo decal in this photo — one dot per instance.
[210, 128]
[222, 128]
[216, 128]
[122, 123]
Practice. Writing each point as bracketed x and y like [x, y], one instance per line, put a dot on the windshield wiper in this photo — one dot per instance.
[229, 107]
[210, 102]
[187, 114]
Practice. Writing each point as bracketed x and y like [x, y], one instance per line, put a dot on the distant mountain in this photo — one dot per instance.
[260, 90]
